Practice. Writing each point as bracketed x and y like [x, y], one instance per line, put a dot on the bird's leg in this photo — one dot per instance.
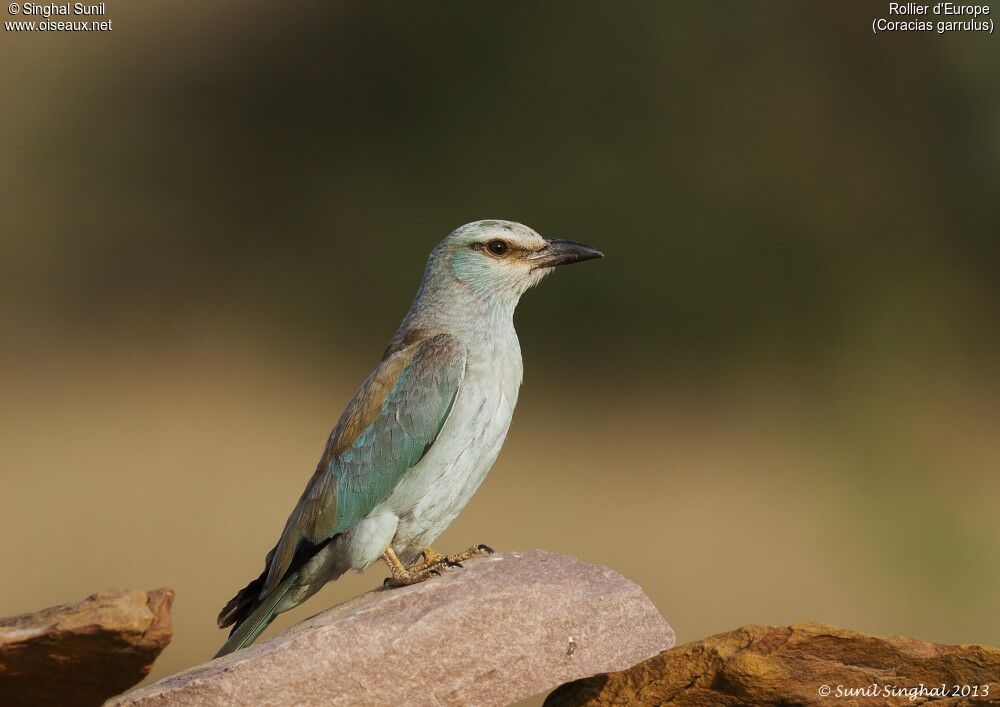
[428, 558]
[401, 576]
[432, 558]
[474, 551]
[432, 563]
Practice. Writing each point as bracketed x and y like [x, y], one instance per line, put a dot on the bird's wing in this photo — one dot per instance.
[386, 429]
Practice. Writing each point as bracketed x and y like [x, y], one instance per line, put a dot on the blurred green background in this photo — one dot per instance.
[774, 400]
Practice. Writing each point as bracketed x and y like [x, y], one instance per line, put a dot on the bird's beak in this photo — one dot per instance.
[559, 252]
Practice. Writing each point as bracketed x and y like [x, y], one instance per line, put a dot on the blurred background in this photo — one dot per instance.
[774, 400]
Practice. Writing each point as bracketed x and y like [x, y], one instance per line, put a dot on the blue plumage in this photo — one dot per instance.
[418, 437]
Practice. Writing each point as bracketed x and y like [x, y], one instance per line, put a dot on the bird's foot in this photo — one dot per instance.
[474, 551]
[405, 580]
[431, 558]
[432, 564]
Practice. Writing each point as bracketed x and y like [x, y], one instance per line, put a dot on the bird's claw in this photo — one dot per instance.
[409, 578]
[474, 551]
[434, 564]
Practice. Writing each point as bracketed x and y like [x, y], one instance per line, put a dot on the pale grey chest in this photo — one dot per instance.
[432, 494]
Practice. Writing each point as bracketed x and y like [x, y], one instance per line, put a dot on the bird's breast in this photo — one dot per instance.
[433, 492]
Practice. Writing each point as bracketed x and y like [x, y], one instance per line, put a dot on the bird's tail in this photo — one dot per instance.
[247, 630]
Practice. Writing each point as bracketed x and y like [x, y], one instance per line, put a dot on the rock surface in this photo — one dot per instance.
[83, 653]
[498, 630]
[790, 665]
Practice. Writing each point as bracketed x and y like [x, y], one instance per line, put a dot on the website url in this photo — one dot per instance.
[60, 26]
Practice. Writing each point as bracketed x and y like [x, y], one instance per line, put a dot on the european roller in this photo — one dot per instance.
[419, 436]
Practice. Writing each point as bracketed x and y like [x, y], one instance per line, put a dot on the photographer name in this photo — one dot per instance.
[77, 8]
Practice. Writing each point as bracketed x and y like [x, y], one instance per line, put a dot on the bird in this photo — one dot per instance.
[419, 436]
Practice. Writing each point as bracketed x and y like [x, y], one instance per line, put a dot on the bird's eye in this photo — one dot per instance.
[497, 247]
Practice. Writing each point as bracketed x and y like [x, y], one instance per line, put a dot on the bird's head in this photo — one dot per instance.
[504, 259]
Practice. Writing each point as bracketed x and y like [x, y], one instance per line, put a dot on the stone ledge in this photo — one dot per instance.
[500, 629]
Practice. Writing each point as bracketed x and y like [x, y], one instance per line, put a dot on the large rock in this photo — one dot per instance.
[500, 629]
[83, 653]
[759, 665]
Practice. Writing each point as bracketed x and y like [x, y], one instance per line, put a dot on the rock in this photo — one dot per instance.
[498, 630]
[83, 653]
[790, 665]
